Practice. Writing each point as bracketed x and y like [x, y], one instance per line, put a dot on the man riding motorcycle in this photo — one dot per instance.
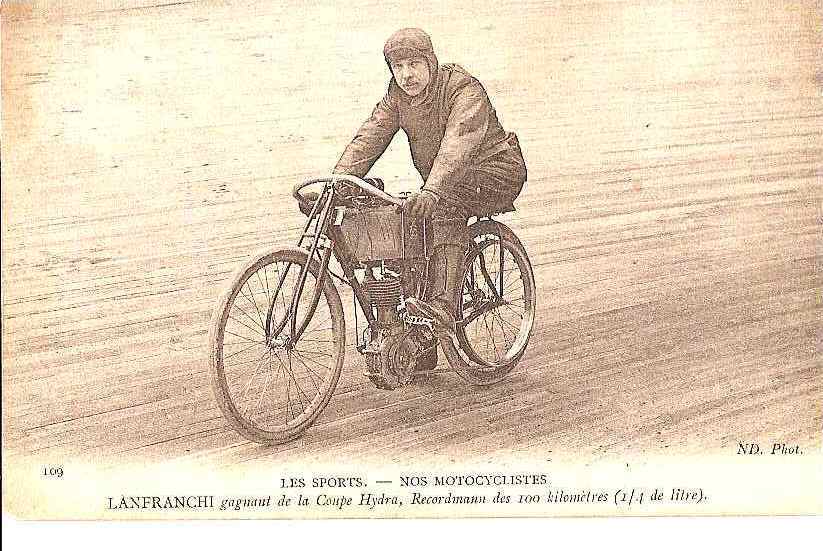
[469, 164]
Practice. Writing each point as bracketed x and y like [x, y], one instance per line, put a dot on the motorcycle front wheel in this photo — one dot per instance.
[270, 386]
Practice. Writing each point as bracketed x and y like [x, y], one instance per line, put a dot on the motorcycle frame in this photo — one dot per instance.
[321, 239]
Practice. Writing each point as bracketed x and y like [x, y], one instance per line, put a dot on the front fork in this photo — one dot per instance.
[320, 215]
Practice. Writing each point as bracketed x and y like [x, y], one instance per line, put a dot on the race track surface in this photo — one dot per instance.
[672, 215]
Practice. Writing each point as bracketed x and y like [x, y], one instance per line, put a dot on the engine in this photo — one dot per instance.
[391, 248]
[393, 345]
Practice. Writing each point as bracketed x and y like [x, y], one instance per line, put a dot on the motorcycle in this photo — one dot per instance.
[278, 333]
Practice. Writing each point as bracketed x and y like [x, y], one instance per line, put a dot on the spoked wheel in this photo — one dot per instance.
[497, 305]
[270, 385]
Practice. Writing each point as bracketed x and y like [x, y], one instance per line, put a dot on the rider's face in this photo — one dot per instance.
[412, 74]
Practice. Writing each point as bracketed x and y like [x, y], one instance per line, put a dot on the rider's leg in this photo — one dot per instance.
[491, 187]
[448, 254]
[449, 242]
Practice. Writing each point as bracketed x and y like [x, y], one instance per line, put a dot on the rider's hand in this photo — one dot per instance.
[421, 204]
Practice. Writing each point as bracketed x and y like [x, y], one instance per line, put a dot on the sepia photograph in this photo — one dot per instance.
[281, 259]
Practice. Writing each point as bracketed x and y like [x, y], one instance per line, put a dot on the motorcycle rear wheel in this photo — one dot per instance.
[497, 306]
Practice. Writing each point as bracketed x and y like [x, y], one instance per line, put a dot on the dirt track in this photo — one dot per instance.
[672, 216]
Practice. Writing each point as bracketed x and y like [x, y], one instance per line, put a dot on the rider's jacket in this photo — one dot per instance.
[457, 143]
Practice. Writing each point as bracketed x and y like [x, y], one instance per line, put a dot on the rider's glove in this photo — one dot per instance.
[421, 204]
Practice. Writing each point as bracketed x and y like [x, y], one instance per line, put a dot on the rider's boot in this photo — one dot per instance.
[446, 283]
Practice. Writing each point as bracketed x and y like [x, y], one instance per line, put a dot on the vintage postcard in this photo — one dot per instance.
[406, 259]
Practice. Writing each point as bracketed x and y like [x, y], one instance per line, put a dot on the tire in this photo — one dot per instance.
[240, 350]
[490, 345]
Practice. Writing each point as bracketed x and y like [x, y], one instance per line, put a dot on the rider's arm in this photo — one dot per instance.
[371, 140]
[466, 128]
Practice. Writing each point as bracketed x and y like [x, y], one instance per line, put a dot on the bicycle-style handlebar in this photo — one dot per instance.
[353, 180]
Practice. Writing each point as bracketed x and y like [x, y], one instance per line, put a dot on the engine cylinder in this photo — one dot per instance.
[384, 292]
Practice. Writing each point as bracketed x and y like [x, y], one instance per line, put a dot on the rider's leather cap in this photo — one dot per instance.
[413, 42]
[407, 42]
